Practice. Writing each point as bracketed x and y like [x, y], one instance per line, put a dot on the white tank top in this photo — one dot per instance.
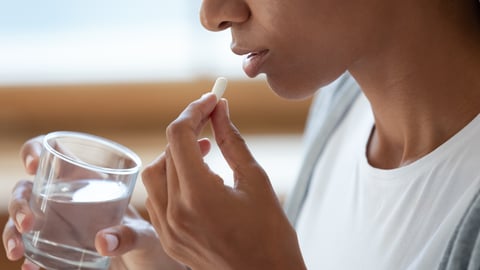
[356, 216]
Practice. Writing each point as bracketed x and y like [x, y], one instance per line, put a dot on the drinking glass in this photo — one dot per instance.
[83, 184]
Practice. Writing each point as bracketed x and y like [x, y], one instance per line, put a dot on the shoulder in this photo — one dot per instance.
[463, 251]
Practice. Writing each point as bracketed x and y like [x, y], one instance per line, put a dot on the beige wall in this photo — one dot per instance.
[254, 107]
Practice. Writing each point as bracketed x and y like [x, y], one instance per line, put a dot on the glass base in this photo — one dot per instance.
[54, 256]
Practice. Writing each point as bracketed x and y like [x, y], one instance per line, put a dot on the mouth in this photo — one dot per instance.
[252, 65]
[254, 54]
[245, 51]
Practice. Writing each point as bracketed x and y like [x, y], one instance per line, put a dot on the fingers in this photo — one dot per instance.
[205, 146]
[235, 150]
[12, 241]
[172, 178]
[21, 216]
[159, 191]
[182, 136]
[134, 245]
[135, 234]
[19, 208]
[118, 240]
[154, 177]
[30, 153]
[21, 220]
[155, 182]
[228, 138]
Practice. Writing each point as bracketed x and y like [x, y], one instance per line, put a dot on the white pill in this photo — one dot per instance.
[219, 87]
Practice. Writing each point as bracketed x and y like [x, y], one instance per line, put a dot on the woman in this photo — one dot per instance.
[393, 174]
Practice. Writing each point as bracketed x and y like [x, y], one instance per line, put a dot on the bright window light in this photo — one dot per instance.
[78, 41]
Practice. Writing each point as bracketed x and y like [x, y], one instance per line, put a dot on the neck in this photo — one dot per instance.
[423, 84]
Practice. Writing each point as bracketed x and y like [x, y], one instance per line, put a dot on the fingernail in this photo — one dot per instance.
[205, 95]
[11, 245]
[20, 217]
[112, 241]
[28, 161]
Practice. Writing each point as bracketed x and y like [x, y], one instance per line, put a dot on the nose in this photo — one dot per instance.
[218, 15]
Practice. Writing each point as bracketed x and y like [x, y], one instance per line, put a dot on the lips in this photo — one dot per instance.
[253, 62]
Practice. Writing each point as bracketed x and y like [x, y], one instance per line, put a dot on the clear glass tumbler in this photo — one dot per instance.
[83, 184]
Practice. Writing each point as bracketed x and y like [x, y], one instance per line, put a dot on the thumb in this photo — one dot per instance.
[134, 233]
[118, 240]
[233, 147]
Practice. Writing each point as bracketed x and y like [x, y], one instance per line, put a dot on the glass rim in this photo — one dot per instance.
[98, 139]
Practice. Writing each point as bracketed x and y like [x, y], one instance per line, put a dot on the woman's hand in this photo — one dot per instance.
[200, 221]
[132, 245]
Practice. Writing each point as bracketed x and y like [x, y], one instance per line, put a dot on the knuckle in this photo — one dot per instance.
[177, 127]
[178, 216]
[194, 202]
[9, 230]
[148, 205]
[32, 146]
[147, 173]
[16, 206]
[182, 217]
[152, 170]
[23, 187]
[171, 243]
[20, 196]
[171, 248]
[147, 179]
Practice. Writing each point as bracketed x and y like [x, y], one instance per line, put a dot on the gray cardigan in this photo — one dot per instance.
[327, 111]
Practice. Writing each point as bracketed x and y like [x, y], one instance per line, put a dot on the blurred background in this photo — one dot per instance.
[123, 70]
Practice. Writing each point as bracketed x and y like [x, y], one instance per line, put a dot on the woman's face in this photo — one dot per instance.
[300, 45]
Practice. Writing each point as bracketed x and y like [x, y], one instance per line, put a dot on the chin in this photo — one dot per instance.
[302, 85]
[293, 89]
